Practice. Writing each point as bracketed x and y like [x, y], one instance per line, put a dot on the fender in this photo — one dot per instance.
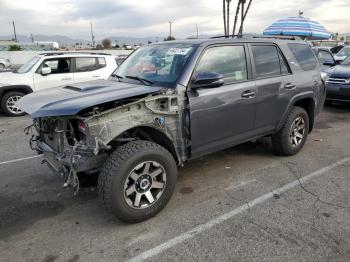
[295, 99]
[23, 88]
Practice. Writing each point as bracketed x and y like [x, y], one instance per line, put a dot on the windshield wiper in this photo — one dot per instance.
[117, 76]
[142, 80]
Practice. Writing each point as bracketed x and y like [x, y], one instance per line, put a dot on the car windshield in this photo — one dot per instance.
[29, 65]
[159, 64]
[344, 52]
[346, 62]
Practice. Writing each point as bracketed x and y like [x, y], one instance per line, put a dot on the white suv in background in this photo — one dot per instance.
[51, 70]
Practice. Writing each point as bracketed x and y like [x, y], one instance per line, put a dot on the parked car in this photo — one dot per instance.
[325, 58]
[338, 83]
[336, 49]
[4, 63]
[51, 70]
[172, 102]
[342, 54]
[120, 59]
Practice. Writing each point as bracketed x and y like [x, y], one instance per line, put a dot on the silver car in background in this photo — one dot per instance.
[4, 63]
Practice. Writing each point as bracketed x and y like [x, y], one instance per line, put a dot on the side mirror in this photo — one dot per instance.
[329, 63]
[46, 71]
[208, 80]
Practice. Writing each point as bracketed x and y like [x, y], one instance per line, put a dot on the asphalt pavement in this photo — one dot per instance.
[241, 204]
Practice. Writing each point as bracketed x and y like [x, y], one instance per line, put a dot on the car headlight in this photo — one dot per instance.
[324, 76]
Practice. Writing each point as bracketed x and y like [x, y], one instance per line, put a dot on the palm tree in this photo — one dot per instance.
[224, 15]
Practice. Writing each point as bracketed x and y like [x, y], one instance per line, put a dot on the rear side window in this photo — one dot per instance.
[86, 64]
[304, 56]
[230, 61]
[268, 61]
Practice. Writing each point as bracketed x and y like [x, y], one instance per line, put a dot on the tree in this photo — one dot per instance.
[169, 38]
[107, 43]
[342, 39]
[14, 48]
[149, 42]
[117, 46]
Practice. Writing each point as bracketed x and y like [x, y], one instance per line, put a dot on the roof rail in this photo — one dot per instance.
[72, 52]
[283, 37]
[226, 36]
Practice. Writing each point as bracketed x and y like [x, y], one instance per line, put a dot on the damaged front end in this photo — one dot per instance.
[81, 144]
[67, 147]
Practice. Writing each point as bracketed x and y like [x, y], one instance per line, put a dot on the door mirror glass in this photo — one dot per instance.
[208, 80]
[46, 71]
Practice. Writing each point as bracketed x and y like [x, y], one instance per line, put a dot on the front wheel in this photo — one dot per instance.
[137, 180]
[290, 139]
[8, 103]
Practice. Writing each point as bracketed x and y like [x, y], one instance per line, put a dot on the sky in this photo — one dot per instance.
[149, 18]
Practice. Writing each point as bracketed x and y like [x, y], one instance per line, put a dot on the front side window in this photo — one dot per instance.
[268, 62]
[304, 56]
[230, 61]
[162, 64]
[57, 65]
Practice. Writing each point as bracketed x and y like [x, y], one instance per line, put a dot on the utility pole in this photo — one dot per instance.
[170, 24]
[92, 36]
[228, 17]
[14, 31]
[32, 37]
[197, 31]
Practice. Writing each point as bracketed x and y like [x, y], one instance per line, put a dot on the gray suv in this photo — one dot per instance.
[172, 102]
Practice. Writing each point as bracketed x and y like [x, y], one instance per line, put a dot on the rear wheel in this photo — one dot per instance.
[137, 181]
[292, 136]
[8, 103]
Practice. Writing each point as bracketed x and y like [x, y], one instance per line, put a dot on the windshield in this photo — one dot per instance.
[346, 61]
[344, 52]
[156, 64]
[29, 65]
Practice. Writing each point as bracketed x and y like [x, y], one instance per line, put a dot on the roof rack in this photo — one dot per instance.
[226, 36]
[283, 37]
[72, 52]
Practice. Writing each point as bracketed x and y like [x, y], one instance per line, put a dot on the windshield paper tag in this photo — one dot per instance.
[178, 51]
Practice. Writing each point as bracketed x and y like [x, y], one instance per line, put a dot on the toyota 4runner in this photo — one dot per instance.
[172, 102]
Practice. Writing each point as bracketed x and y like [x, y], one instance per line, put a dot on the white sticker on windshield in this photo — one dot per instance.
[178, 51]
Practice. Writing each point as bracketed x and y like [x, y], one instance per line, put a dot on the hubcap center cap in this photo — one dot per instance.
[144, 183]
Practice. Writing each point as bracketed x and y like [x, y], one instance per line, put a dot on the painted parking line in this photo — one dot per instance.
[18, 160]
[220, 219]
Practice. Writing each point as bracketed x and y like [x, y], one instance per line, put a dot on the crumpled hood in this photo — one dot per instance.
[339, 71]
[71, 99]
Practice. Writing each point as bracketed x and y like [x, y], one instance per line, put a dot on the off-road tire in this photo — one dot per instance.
[280, 141]
[4, 99]
[117, 169]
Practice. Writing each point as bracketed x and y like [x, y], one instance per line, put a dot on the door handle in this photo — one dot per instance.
[248, 94]
[66, 78]
[290, 86]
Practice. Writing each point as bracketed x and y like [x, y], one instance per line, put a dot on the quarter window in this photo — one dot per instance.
[230, 61]
[304, 56]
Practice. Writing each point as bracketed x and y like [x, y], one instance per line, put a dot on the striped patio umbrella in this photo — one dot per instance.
[298, 26]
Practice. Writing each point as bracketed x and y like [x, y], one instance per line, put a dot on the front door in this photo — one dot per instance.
[223, 116]
[61, 73]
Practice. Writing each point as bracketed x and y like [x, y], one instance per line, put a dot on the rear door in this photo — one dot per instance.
[221, 117]
[89, 69]
[275, 85]
[61, 73]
